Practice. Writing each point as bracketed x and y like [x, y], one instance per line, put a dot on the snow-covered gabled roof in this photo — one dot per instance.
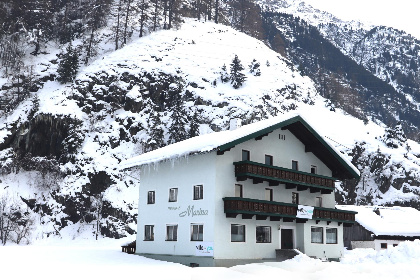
[394, 221]
[225, 140]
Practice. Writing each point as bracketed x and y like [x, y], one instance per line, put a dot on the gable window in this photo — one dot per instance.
[237, 233]
[331, 234]
[151, 197]
[198, 192]
[295, 198]
[246, 155]
[173, 195]
[171, 232]
[263, 234]
[295, 165]
[196, 232]
[269, 194]
[318, 201]
[313, 169]
[268, 160]
[149, 234]
[317, 235]
[238, 190]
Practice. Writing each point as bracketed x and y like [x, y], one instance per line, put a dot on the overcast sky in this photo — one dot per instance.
[400, 14]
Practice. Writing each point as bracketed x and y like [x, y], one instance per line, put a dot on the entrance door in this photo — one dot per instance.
[286, 238]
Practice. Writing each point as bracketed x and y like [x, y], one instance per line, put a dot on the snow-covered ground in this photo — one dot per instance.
[103, 259]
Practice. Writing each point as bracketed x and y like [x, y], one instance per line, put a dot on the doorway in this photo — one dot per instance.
[286, 238]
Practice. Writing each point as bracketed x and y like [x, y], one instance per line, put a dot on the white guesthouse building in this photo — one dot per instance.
[237, 196]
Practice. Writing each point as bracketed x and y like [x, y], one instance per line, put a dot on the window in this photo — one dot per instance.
[295, 198]
[268, 160]
[237, 233]
[331, 236]
[196, 232]
[318, 201]
[384, 245]
[149, 234]
[198, 192]
[238, 190]
[173, 195]
[151, 197]
[313, 169]
[269, 194]
[295, 165]
[263, 234]
[394, 245]
[171, 232]
[245, 155]
[317, 235]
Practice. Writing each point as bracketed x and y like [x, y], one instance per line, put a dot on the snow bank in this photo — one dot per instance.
[406, 252]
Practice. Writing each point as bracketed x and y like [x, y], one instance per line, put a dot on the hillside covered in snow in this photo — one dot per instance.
[62, 143]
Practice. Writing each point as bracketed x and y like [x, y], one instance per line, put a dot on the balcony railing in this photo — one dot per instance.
[272, 209]
[274, 174]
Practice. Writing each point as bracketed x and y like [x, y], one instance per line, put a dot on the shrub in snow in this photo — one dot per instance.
[254, 68]
[15, 222]
[395, 137]
[237, 78]
[69, 63]
[224, 76]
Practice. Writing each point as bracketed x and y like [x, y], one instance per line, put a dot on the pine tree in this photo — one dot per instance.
[224, 76]
[177, 131]
[236, 76]
[254, 68]
[156, 133]
[69, 63]
[194, 125]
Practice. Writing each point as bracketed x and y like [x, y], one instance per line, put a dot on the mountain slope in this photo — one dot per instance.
[61, 147]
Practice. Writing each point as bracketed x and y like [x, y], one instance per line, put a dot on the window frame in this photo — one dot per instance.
[295, 163]
[238, 226]
[318, 201]
[270, 160]
[247, 153]
[197, 237]
[263, 240]
[200, 194]
[241, 190]
[295, 198]
[270, 190]
[151, 236]
[153, 199]
[384, 245]
[174, 235]
[322, 235]
[326, 236]
[314, 169]
[173, 198]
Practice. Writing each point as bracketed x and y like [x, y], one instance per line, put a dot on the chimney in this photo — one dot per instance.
[234, 124]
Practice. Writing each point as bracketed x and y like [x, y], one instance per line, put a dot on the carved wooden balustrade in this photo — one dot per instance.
[245, 169]
[238, 205]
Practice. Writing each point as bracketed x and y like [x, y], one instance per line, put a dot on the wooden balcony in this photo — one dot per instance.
[275, 175]
[276, 211]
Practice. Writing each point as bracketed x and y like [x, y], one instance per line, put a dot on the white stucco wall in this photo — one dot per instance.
[283, 152]
[216, 174]
[183, 174]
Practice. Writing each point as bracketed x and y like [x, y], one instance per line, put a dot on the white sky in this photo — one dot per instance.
[400, 14]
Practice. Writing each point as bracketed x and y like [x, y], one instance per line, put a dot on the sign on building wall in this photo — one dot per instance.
[204, 249]
[305, 212]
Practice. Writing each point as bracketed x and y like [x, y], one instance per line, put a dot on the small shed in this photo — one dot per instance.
[129, 248]
[380, 227]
